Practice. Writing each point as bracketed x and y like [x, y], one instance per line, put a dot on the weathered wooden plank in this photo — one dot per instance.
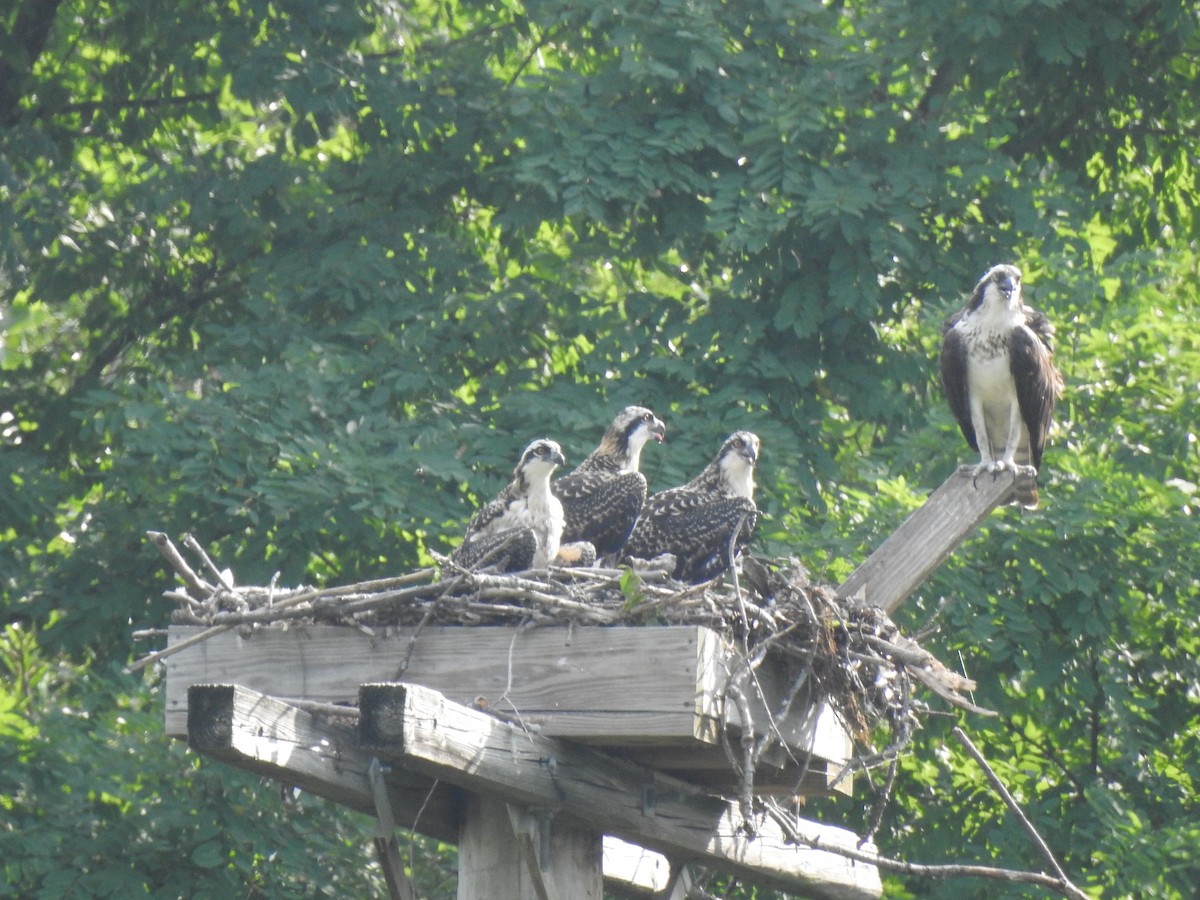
[627, 684]
[447, 740]
[268, 737]
[661, 687]
[925, 539]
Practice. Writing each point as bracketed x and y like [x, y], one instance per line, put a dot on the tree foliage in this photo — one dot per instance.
[302, 278]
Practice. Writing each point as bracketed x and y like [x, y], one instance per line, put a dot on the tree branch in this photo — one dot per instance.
[923, 870]
[1068, 889]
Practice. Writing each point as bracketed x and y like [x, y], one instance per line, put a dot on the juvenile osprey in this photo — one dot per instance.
[998, 374]
[522, 527]
[602, 497]
[706, 523]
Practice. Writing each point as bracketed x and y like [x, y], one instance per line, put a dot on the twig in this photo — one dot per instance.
[1068, 888]
[192, 544]
[197, 586]
[190, 641]
[746, 793]
[922, 870]
[323, 709]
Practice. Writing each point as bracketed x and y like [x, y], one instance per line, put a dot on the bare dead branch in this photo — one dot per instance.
[922, 870]
[1069, 889]
[197, 586]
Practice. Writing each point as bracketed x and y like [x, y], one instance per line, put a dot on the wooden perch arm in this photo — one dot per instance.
[925, 539]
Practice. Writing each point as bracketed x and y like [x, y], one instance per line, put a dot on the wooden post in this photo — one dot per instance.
[924, 540]
[513, 852]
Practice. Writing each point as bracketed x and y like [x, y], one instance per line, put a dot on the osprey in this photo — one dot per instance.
[706, 523]
[602, 497]
[522, 527]
[998, 374]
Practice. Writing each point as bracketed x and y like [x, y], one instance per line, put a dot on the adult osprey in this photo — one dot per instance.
[522, 527]
[998, 374]
[602, 497]
[706, 523]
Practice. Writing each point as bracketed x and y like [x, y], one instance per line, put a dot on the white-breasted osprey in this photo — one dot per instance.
[706, 523]
[602, 497]
[998, 374]
[521, 528]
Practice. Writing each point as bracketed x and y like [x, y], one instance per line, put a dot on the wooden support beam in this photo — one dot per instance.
[925, 539]
[634, 872]
[269, 737]
[422, 730]
[273, 738]
[657, 693]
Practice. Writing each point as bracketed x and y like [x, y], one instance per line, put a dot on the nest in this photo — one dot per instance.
[853, 658]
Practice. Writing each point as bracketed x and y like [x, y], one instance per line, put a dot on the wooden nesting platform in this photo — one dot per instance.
[655, 696]
[567, 758]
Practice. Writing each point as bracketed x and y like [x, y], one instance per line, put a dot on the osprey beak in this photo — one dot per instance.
[557, 458]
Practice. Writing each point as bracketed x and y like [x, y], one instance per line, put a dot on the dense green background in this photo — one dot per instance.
[303, 277]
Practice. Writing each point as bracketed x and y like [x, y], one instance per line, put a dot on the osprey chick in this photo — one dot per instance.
[997, 371]
[706, 523]
[522, 527]
[601, 498]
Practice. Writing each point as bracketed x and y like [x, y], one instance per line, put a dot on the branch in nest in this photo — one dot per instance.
[930, 671]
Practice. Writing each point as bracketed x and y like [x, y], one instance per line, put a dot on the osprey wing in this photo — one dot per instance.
[709, 548]
[953, 376]
[508, 550]
[1038, 384]
[600, 507]
[702, 531]
[491, 516]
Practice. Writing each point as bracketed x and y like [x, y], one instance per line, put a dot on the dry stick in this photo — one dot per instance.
[746, 793]
[1011, 803]
[192, 544]
[412, 831]
[242, 618]
[336, 710]
[194, 582]
[196, 638]
[885, 797]
[412, 640]
[145, 634]
[923, 870]
[889, 784]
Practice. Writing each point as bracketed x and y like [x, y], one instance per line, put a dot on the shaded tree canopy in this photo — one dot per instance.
[302, 278]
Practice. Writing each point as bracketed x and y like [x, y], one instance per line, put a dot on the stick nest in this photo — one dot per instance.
[851, 657]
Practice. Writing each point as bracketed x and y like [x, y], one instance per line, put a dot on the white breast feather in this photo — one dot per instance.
[988, 333]
[738, 476]
[637, 441]
[545, 516]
